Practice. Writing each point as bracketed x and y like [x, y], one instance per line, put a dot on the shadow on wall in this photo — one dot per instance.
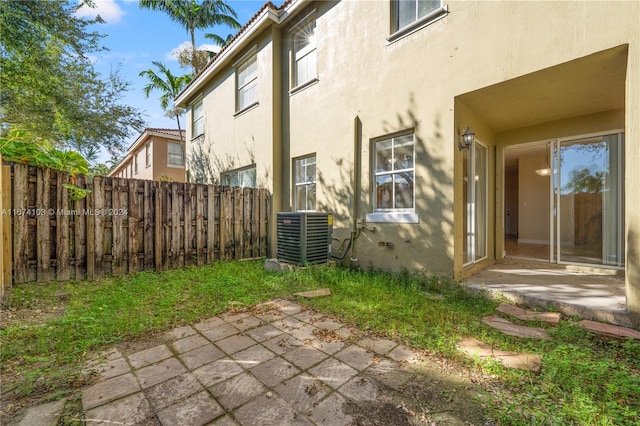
[205, 166]
[426, 246]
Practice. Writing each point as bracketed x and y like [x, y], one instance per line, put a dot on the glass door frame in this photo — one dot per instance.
[555, 197]
[471, 235]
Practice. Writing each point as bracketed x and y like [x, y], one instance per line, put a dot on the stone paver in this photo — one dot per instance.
[274, 371]
[253, 356]
[43, 414]
[220, 332]
[305, 356]
[201, 356]
[189, 343]
[302, 391]
[267, 411]
[217, 371]
[196, 410]
[109, 390]
[314, 293]
[330, 412]
[149, 356]
[156, 373]
[130, 410]
[333, 372]
[263, 333]
[238, 390]
[475, 347]
[610, 330]
[507, 327]
[275, 364]
[377, 345]
[356, 357]
[526, 315]
[173, 390]
[236, 343]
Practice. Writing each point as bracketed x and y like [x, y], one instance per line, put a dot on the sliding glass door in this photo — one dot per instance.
[475, 202]
[588, 205]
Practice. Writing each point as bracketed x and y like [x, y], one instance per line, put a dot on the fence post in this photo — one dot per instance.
[5, 228]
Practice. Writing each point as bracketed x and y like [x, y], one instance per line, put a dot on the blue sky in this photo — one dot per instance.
[135, 37]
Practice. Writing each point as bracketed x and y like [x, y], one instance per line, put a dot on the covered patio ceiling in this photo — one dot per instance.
[587, 85]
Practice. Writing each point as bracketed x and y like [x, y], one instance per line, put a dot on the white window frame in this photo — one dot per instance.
[147, 154]
[397, 31]
[225, 177]
[241, 66]
[197, 119]
[309, 182]
[135, 163]
[171, 163]
[305, 28]
[393, 213]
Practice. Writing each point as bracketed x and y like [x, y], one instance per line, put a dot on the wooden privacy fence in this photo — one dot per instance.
[127, 225]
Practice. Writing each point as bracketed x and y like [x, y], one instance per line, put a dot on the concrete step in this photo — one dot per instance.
[42, 415]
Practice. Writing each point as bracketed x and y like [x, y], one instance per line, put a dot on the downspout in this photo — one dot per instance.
[357, 164]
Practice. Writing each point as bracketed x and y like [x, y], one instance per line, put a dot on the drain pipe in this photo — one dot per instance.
[357, 150]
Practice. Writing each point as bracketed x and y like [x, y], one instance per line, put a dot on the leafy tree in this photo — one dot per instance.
[169, 85]
[584, 180]
[49, 85]
[196, 14]
[21, 147]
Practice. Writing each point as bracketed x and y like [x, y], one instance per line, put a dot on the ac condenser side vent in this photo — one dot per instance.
[304, 238]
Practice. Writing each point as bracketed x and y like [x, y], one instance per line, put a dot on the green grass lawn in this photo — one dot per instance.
[50, 329]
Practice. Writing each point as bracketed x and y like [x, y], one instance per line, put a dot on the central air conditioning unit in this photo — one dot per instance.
[304, 238]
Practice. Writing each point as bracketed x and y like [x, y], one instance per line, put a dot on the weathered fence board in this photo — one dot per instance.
[125, 225]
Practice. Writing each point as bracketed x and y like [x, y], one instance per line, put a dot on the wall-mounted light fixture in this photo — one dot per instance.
[466, 139]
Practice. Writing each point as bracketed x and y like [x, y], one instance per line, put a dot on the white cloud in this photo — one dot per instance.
[173, 55]
[108, 10]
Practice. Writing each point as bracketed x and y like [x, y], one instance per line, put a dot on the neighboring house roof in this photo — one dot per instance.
[268, 13]
[140, 140]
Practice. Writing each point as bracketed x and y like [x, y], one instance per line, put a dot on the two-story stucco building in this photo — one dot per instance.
[157, 154]
[443, 135]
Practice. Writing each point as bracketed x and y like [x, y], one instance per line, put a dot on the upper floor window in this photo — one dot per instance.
[247, 83]
[197, 119]
[406, 12]
[245, 177]
[135, 163]
[304, 192]
[147, 154]
[304, 54]
[175, 154]
[394, 173]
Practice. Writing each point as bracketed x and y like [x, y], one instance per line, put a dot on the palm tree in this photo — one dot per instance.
[196, 14]
[170, 86]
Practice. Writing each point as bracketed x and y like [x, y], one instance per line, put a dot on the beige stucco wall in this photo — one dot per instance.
[159, 167]
[436, 81]
[240, 140]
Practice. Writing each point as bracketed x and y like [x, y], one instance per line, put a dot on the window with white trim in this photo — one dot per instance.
[197, 120]
[244, 177]
[304, 191]
[394, 174]
[147, 154]
[135, 163]
[175, 154]
[304, 54]
[247, 83]
[406, 12]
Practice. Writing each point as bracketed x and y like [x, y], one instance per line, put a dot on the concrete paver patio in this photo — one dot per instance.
[278, 364]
